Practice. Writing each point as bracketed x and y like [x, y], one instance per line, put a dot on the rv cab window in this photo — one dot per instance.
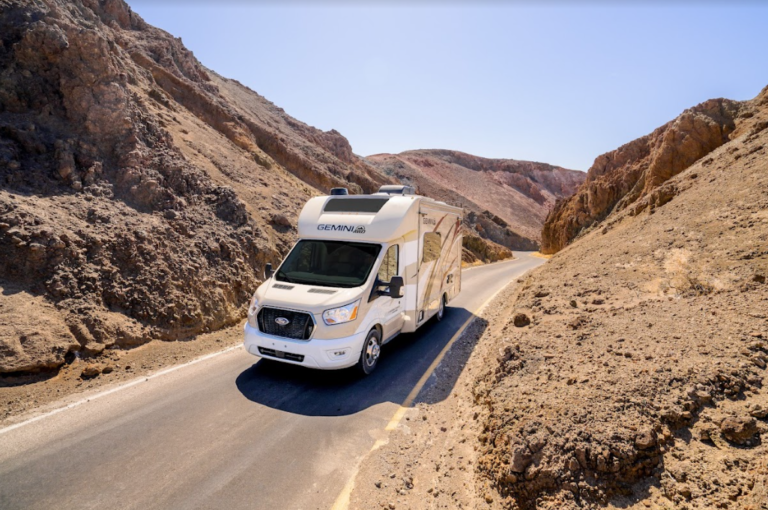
[329, 263]
[432, 247]
[389, 266]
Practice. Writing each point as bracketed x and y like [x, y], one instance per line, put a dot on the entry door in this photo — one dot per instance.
[391, 308]
[431, 267]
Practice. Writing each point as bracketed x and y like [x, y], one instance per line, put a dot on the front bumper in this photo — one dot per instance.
[322, 354]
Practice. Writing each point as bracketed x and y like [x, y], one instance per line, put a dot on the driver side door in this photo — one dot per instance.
[392, 316]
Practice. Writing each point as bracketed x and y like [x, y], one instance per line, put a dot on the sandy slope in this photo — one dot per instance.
[629, 371]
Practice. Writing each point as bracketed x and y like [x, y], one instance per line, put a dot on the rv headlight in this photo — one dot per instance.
[342, 314]
[254, 306]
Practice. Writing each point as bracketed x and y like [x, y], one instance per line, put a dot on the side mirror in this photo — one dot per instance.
[396, 285]
[268, 271]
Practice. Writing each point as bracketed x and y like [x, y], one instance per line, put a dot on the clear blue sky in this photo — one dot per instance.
[553, 82]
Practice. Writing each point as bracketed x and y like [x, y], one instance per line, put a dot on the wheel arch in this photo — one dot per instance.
[374, 327]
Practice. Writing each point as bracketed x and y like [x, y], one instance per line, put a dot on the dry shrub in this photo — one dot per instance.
[684, 274]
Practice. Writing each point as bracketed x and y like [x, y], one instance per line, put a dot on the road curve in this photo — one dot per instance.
[232, 432]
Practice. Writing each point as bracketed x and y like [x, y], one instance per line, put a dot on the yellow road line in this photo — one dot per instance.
[342, 501]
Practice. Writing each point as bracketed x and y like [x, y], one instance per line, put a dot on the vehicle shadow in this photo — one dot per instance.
[308, 392]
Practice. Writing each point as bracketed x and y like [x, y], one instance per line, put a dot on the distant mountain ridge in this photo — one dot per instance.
[508, 199]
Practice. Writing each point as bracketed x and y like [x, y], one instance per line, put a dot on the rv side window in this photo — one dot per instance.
[432, 245]
[389, 264]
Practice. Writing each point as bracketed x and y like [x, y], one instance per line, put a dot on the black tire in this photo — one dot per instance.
[369, 356]
[441, 309]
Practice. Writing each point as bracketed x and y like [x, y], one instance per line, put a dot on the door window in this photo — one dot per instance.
[432, 246]
[389, 264]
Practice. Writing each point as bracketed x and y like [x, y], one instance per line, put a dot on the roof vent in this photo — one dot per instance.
[397, 189]
[339, 191]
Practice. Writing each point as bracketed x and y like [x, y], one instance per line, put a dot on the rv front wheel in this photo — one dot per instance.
[369, 357]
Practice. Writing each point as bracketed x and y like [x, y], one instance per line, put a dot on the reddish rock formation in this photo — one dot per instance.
[630, 174]
[509, 199]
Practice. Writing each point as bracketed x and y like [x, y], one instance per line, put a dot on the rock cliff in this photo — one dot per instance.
[624, 177]
[140, 193]
[649, 333]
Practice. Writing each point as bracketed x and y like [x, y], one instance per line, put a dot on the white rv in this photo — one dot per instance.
[365, 268]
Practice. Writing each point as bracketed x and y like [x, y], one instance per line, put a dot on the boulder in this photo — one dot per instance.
[521, 320]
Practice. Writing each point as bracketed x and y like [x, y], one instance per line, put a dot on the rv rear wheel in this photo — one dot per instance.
[369, 357]
[441, 310]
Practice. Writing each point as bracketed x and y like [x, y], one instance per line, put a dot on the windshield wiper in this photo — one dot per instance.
[282, 277]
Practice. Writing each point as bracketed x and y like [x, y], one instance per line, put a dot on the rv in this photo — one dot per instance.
[365, 269]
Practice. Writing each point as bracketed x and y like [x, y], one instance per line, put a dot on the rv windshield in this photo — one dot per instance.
[329, 263]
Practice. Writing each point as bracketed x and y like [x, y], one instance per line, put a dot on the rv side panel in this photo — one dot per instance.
[438, 263]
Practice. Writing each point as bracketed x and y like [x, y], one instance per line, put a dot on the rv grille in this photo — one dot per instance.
[281, 355]
[299, 326]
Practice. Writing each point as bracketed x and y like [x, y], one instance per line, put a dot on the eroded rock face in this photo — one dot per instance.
[99, 210]
[476, 249]
[622, 178]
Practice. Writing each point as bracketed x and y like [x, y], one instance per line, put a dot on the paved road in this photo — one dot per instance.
[231, 432]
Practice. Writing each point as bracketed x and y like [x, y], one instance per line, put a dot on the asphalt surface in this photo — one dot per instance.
[232, 432]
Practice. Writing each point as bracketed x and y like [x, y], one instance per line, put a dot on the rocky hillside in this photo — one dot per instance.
[508, 199]
[141, 193]
[640, 379]
[626, 177]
